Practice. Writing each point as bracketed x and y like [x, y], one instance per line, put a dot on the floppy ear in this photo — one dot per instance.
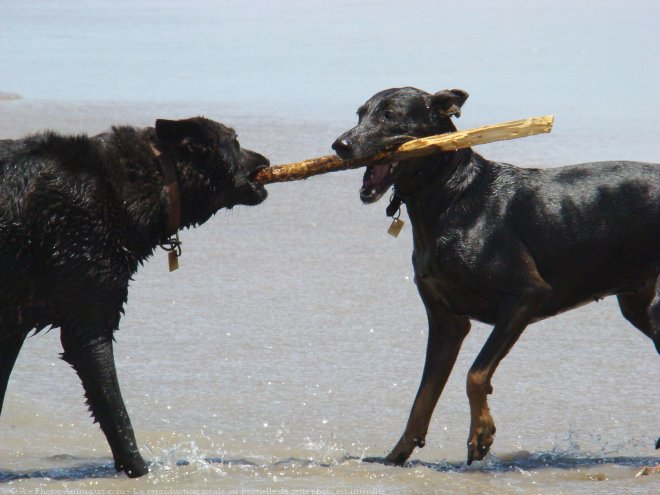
[177, 132]
[448, 102]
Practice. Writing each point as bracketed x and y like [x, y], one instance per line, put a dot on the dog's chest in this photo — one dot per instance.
[447, 255]
[445, 270]
[451, 267]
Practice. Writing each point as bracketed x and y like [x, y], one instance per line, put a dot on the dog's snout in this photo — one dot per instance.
[343, 147]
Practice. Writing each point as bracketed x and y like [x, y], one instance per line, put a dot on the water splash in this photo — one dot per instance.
[531, 461]
[187, 459]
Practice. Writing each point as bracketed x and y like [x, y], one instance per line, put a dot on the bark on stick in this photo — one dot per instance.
[412, 149]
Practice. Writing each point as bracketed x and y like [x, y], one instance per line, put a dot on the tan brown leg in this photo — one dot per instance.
[446, 334]
[515, 315]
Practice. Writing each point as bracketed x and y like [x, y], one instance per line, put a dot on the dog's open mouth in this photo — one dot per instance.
[377, 180]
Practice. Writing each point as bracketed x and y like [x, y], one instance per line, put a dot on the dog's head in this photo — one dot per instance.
[214, 171]
[390, 118]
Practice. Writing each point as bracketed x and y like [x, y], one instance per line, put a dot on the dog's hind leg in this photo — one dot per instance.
[654, 313]
[10, 346]
[93, 360]
[446, 334]
[642, 309]
[515, 313]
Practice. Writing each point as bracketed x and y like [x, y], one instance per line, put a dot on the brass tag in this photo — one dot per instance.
[395, 227]
[173, 260]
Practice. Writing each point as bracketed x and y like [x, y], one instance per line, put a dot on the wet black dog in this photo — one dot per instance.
[77, 217]
[504, 245]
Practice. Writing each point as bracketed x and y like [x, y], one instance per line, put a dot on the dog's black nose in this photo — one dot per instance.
[342, 147]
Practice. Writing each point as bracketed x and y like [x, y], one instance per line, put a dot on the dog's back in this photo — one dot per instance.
[45, 182]
[600, 220]
[46, 160]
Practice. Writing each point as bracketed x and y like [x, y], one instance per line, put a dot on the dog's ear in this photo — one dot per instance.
[178, 132]
[448, 102]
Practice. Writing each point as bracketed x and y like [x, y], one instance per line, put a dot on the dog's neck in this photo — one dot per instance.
[431, 172]
[445, 172]
[429, 186]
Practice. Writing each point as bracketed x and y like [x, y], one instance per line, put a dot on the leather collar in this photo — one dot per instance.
[170, 189]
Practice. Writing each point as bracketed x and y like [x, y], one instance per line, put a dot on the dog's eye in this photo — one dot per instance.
[389, 115]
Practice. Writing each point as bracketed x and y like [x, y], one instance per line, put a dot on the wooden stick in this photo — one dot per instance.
[411, 149]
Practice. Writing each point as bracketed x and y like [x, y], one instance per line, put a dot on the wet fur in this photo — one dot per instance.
[506, 245]
[78, 215]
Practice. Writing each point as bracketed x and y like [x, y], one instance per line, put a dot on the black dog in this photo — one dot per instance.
[504, 245]
[77, 217]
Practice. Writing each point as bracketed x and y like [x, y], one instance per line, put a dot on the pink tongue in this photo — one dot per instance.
[376, 175]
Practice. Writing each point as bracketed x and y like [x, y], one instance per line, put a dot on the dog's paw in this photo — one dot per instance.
[134, 467]
[479, 445]
[377, 460]
[398, 457]
[404, 449]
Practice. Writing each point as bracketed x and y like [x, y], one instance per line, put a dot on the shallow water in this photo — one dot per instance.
[289, 345]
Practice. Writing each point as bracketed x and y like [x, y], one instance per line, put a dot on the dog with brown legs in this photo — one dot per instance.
[504, 245]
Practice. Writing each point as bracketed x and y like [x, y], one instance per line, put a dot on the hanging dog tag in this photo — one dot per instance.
[395, 227]
[173, 260]
[173, 247]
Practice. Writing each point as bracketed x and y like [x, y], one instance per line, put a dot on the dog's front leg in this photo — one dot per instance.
[446, 334]
[93, 360]
[9, 349]
[514, 315]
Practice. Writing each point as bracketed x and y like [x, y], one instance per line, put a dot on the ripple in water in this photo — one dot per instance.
[168, 462]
